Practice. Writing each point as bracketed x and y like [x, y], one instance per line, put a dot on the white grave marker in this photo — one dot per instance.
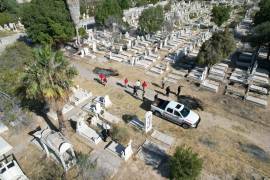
[148, 121]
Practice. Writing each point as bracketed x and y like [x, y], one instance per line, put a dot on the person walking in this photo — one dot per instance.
[178, 90]
[105, 80]
[125, 82]
[135, 91]
[156, 97]
[163, 83]
[138, 84]
[168, 90]
[101, 77]
[144, 85]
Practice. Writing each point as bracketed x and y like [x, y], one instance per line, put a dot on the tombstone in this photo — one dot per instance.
[120, 49]
[94, 47]
[148, 121]
[165, 42]
[1, 28]
[156, 50]
[160, 44]
[129, 44]
[86, 51]
[126, 35]
[127, 151]
[132, 62]
[6, 27]
[82, 53]
[107, 101]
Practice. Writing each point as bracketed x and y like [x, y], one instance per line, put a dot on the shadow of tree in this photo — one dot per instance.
[191, 102]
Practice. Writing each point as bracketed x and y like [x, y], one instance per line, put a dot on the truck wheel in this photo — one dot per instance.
[158, 114]
[185, 126]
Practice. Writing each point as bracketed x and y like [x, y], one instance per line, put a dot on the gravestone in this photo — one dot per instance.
[94, 47]
[148, 121]
[127, 151]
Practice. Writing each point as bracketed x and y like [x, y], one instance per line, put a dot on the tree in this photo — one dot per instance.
[74, 10]
[220, 14]
[260, 36]
[49, 80]
[48, 22]
[263, 14]
[185, 164]
[214, 50]
[106, 9]
[151, 19]
[124, 4]
[12, 62]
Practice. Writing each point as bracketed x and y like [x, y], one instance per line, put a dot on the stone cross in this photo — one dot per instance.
[148, 121]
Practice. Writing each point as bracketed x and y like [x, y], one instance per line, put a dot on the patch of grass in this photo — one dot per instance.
[120, 134]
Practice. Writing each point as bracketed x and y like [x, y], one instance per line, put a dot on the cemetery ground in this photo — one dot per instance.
[232, 137]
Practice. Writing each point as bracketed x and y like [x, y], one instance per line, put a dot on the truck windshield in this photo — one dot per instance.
[185, 112]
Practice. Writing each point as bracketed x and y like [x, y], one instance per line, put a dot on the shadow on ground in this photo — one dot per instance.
[191, 102]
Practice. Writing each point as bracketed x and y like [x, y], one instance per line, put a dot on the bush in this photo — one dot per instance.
[12, 62]
[120, 135]
[6, 18]
[185, 164]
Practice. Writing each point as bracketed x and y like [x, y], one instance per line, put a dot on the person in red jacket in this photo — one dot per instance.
[144, 85]
[126, 82]
[105, 80]
[101, 77]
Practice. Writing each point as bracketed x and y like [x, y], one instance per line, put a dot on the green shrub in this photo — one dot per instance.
[6, 18]
[185, 164]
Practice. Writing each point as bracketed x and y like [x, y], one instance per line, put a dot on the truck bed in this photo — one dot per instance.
[160, 103]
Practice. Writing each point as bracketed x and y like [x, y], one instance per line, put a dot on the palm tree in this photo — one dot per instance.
[74, 10]
[49, 80]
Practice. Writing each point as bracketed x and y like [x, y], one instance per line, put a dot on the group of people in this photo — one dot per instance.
[103, 79]
[168, 89]
[137, 86]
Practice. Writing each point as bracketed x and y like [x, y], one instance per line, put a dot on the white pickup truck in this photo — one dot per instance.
[175, 112]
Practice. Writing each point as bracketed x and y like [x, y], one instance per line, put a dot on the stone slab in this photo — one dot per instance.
[164, 138]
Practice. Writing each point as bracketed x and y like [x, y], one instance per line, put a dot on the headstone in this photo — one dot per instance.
[148, 121]
[128, 151]
[120, 49]
[107, 101]
[86, 51]
[94, 47]
[82, 53]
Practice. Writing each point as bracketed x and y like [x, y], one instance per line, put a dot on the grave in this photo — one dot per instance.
[79, 96]
[146, 125]
[120, 150]
[165, 139]
[257, 99]
[5, 147]
[3, 128]
[90, 134]
[210, 85]
[10, 169]
[57, 146]
[104, 101]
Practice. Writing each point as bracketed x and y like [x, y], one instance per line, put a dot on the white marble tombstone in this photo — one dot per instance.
[148, 121]
[107, 101]
[127, 151]
[94, 47]
[156, 50]
[86, 51]
[132, 61]
[129, 44]
[82, 53]
[98, 108]
[160, 44]
[120, 49]
[110, 55]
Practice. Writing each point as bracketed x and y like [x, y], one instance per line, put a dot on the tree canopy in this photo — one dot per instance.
[263, 14]
[185, 165]
[49, 79]
[214, 50]
[9, 10]
[151, 19]
[106, 9]
[48, 22]
[260, 36]
[220, 14]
